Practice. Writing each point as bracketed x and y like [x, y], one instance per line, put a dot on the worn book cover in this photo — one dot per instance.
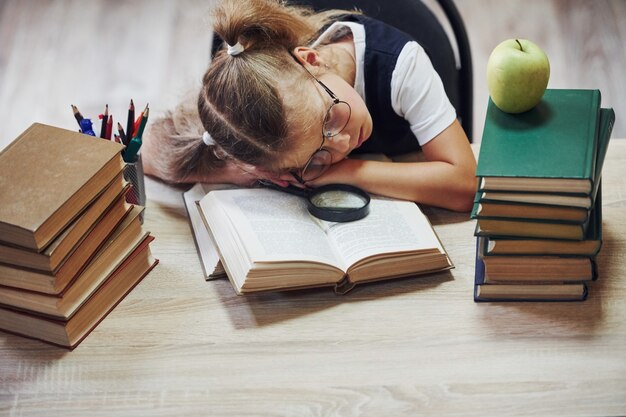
[54, 282]
[125, 239]
[69, 333]
[48, 176]
[550, 148]
[548, 206]
[58, 251]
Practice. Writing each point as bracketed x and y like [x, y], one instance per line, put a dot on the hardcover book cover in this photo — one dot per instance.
[48, 176]
[553, 206]
[554, 140]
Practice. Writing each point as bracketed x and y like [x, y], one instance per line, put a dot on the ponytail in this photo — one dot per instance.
[257, 24]
[174, 149]
[241, 103]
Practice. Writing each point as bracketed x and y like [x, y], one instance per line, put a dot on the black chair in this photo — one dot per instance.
[415, 18]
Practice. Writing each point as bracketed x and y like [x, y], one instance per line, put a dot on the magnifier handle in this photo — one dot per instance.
[290, 189]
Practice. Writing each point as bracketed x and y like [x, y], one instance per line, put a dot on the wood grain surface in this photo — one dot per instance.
[178, 345]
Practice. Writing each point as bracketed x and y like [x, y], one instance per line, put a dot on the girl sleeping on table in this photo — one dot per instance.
[294, 95]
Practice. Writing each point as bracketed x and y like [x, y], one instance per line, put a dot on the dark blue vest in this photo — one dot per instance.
[383, 43]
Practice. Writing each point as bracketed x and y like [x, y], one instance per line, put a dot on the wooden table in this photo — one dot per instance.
[178, 345]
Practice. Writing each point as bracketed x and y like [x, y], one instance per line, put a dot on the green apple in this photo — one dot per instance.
[517, 75]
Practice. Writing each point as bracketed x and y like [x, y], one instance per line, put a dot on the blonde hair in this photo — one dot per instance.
[241, 104]
[175, 148]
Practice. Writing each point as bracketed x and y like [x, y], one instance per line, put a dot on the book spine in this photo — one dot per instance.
[482, 299]
[479, 281]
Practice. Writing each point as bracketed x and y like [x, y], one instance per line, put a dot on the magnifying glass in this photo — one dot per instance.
[332, 202]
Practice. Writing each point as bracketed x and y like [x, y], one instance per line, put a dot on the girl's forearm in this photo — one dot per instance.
[436, 183]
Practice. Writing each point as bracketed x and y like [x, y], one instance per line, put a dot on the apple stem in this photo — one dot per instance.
[520, 45]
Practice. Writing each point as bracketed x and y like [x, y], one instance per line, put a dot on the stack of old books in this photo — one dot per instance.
[71, 247]
[538, 206]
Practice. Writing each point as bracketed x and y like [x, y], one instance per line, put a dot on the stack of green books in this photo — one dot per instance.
[538, 207]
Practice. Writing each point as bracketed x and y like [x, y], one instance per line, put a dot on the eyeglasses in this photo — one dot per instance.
[336, 119]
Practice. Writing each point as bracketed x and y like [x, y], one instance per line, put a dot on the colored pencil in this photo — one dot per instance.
[138, 122]
[142, 124]
[109, 131]
[105, 118]
[77, 114]
[120, 131]
[131, 151]
[129, 123]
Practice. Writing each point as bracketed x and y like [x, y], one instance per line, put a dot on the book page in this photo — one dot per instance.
[276, 226]
[391, 226]
[204, 244]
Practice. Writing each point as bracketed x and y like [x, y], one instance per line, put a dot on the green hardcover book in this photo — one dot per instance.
[544, 206]
[550, 148]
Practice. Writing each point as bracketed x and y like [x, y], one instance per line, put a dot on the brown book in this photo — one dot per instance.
[69, 333]
[48, 176]
[55, 282]
[531, 292]
[113, 251]
[538, 269]
[532, 211]
[62, 246]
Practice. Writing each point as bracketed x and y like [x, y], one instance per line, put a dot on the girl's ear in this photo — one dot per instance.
[307, 56]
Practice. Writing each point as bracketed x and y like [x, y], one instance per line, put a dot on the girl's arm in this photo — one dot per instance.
[447, 179]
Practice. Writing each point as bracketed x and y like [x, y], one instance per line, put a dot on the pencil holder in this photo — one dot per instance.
[133, 173]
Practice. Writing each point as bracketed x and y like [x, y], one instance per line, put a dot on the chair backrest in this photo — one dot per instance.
[416, 19]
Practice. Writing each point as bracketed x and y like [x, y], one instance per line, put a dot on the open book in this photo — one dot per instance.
[268, 241]
[207, 251]
[209, 258]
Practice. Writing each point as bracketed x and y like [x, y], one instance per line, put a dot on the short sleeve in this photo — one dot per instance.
[417, 94]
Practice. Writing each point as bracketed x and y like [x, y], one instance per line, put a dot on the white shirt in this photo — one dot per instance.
[417, 93]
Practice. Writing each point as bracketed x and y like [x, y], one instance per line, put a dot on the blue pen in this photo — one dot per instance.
[86, 127]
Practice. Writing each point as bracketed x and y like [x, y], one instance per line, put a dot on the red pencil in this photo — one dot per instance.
[138, 122]
[109, 130]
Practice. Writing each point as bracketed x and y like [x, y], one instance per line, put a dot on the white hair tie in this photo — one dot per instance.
[207, 139]
[236, 49]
